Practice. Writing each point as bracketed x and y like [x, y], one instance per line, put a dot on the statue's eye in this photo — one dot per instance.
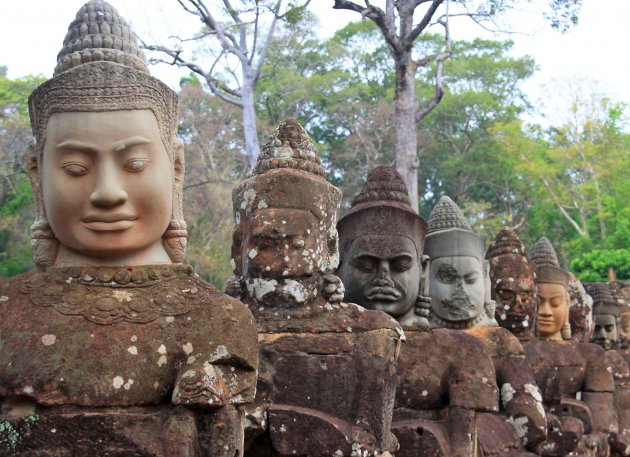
[505, 294]
[471, 278]
[364, 264]
[135, 165]
[401, 265]
[446, 274]
[74, 168]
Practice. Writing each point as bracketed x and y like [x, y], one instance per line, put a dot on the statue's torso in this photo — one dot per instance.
[71, 339]
[327, 378]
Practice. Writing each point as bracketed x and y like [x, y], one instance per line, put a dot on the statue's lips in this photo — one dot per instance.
[383, 293]
[109, 222]
[545, 321]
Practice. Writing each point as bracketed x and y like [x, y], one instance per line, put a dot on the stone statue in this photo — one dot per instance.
[381, 242]
[552, 320]
[606, 335]
[328, 368]
[459, 291]
[605, 314]
[512, 283]
[440, 390]
[106, 344]
[576, 388]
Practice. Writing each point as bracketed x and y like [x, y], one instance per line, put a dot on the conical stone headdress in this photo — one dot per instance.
[449, 233]
[603, 301]
[382, 208]
[101, 68]
[288, 174]
[547, 266]
[507, 257]
[506, 242]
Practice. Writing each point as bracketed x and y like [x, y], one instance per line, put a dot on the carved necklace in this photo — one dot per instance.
[109, 295]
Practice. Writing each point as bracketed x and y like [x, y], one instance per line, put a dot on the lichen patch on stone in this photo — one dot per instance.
[118, 382]
[48, 340]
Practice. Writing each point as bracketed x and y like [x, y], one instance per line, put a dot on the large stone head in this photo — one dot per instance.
[552, 319]
[285, 217]
[106, 169]
[605, 314]
[512, 284]
[457, 277]
[381, 241]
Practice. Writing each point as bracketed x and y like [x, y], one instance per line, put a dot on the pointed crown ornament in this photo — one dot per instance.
[382, 208]
[450, 234]
[547, 266]
[508, 258]
[603, 301]
[506, 242]
[101, 68]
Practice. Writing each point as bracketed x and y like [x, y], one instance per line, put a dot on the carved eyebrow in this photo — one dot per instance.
[551, 297]
[120, 145]
[77, 146]
[130, 142]
[368, 255]
[401, 256]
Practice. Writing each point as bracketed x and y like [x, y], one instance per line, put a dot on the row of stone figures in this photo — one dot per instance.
[113, 347]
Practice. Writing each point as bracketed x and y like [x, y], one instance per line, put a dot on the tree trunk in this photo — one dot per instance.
[406, 134]
[252, 148]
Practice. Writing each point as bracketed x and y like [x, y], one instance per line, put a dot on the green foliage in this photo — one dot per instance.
[16, 202]
[573, 178]
[593, 266]
[16, 212]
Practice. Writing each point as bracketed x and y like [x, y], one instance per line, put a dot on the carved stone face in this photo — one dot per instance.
[553, 308]
[107, 184]
[514, 290]
[381, 272]
[281, 242]
[457, 288]
[605, 333]
[624, 330]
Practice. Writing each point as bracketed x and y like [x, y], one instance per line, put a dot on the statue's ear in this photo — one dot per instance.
[178, 160]
[32, 165]
[425, 263]
[565, 331]
[486, 280]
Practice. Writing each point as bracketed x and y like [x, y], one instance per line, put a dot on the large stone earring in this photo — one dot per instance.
[175, 239]
[45, 244]
[566, 326]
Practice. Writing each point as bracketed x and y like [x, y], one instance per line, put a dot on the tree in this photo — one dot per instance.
[241, 33]
[575, 175]
[400, 31]
[460, 157]
[16, 202]
[210, 130]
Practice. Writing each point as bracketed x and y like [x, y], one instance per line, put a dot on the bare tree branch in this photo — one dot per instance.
[426, 20]
[375, 14]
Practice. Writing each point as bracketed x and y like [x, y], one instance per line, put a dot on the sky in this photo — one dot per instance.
[32, 32]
